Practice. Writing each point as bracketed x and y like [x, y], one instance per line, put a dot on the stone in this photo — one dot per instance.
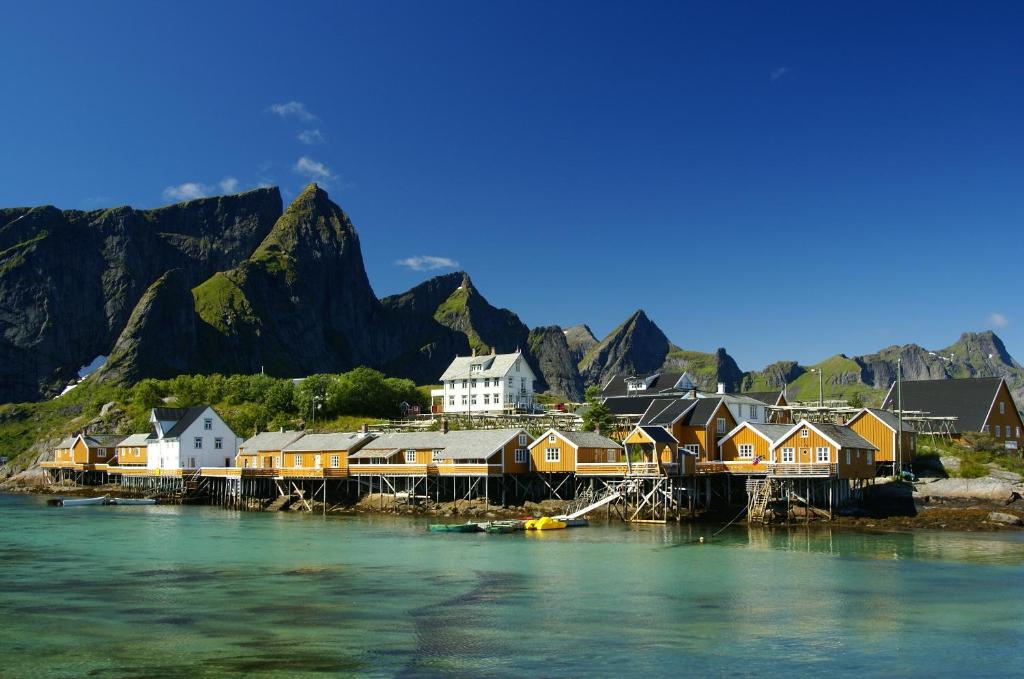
[1004, 519]
[985, 489]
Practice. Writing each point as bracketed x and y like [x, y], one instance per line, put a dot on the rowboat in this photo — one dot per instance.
[82, 501]
[131, 501]
[468, 527]
[503, 527]
[545, 523]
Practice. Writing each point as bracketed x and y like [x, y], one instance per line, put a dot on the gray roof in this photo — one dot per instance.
[268, 440]
[494, 365]
[774, 432]
[587, 439]
[102, 440]
[67, 442]
[659, 435]
[969, 400]
[844, 436]
[326, 442]
[661, 382]
[629, 405]
[182, 418]
[462, 444]
[365, 453]
[702, 413]
[658, 406]
[766, 397]
[136, 440]
[890, 419]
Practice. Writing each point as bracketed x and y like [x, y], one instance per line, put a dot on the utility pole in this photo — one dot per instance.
[899, 405]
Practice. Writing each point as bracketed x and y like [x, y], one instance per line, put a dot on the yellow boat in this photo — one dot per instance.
[545, 523]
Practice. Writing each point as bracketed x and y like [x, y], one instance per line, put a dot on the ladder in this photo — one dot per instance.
[588, 501]
[757, 509]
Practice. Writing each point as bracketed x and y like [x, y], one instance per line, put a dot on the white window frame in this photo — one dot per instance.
[827, 455]
[1002, 407]
[746, 451]
[848, 456]
[101, 452]
[197, 443]
[451, 400]
[552, 454]
[218, 443]
[805, 432]
[437, 454]
[521, 456]
[297, 461]
[871, 457]
[788, 455]
[208, 423]
[552, 438]
[487, 399]
[720, 425]
[497, 399]
[999, 431]
[410, 456]
[692, 448]
[523, 439]
[335, 460]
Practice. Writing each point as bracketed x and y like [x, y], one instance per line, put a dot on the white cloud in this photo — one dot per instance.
[186, 191]
[229, 185]
[778, 73]
[292, 109]
[313, 169]
[311, 137]
[427, 263]
[998, 320]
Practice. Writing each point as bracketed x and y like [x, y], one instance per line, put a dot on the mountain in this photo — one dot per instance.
[69, 280]
[974, 354]
[301, 303]
[557, 364]
[580, 339]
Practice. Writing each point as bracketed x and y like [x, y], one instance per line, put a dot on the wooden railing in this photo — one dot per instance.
[468, 469]
[601, 469]
[221, 472]
[711, 468]
[797, 469]
[258, 472]
[393, 469]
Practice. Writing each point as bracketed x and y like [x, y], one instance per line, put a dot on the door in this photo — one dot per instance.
[805, 455]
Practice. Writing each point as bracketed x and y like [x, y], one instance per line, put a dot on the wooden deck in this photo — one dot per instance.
[468, 469]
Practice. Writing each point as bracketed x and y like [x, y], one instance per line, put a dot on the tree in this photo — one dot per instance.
[855, 401]
[597, 414]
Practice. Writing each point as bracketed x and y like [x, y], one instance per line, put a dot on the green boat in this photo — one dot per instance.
[468, 527]
[503, 527]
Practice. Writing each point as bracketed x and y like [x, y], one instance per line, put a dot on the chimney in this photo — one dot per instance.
[597, 429]
[364, 429]
[473, 355]
[721, 387]
[444, 426]
[494, 352]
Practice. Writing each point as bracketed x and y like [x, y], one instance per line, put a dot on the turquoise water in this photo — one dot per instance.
[203, 592]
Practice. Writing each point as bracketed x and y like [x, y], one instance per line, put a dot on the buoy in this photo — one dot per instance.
[702, 539]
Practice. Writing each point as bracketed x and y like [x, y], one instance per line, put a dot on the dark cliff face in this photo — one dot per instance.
[549, 346]
[580, 339]
[637, 347]
[300, 304]
[70, 279]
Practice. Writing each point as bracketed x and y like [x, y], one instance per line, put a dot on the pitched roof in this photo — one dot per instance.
[889, 418]
[462, 444]
[655, 409]
[136, 440]
[767, 397]
[844, 436]
[629, 405]
[702, 412]
[67, 442]
[670, 413]
[268, 440]
[658, 382]
[969, 400]
[659, 435]
[102, 440]
[326, 442]
[773, 432]
[585, 439]
[493, 365]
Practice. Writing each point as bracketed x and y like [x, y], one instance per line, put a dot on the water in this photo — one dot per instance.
[203, 592]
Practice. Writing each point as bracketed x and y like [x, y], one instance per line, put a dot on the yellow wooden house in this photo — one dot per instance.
[653, 449]
[830, 450]
[64, 453]
[880, 427]
[316, 455]
[134, 450]
[483, 452]
[584, 453]
[264, 450]
[697, 424]
[747, 449]
[95, 449]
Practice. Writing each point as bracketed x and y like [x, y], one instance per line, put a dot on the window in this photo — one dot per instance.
[227, 461]
[478, 368]
[522, 439]
[692, 448]
[465, 400]
[753, 412]
[788, 455]
[552, 438]
[487, 381]
[822, 454]
[198, 443]
[473, 383]
[871, 457]
[218, 444]
[436, 454]
[497, 399]
[985, 429]
[335, 460]
[101, 452]
[451, 400]
[410, 456]
[721, 425]
[1018, 432]
[517, 365]
[208, 423]
[1002, 408]
[277, 461]
[746, 450]
[464, 383]
[804, 433]
[848, 456]
[487, 399]
[245, 462]
[520, 455]
[191, 463]
[474, 399]
[296, 460]
[552, 454]
[998, 431]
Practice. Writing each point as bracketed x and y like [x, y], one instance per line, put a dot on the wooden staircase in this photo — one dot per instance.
[281, 502]
[761, 492]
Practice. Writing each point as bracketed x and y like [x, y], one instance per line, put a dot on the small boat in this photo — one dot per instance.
[503, 527]
[545, 523]
[82, 501]
[575, 523]
[131, 501]
[468, 527]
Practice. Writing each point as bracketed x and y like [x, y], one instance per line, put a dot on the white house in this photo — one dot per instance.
[482, 384]
[190, 438]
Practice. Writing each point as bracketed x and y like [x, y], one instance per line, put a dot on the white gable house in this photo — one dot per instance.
[190, 438]
[487, 384]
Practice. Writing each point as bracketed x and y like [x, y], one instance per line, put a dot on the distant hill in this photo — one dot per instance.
[235, 284]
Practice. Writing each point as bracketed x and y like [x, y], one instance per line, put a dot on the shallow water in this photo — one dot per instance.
[203, 592]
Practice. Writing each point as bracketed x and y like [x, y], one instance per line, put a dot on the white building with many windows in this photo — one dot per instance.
[486, 384]
[190, 438]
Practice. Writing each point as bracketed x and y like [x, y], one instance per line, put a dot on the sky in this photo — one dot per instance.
[785, 180]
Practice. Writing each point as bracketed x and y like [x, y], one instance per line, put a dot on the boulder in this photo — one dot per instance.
[950, 463]
[985, 489]
[1004, 519]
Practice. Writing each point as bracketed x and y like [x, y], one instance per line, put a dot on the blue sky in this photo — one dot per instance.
[784, 180]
